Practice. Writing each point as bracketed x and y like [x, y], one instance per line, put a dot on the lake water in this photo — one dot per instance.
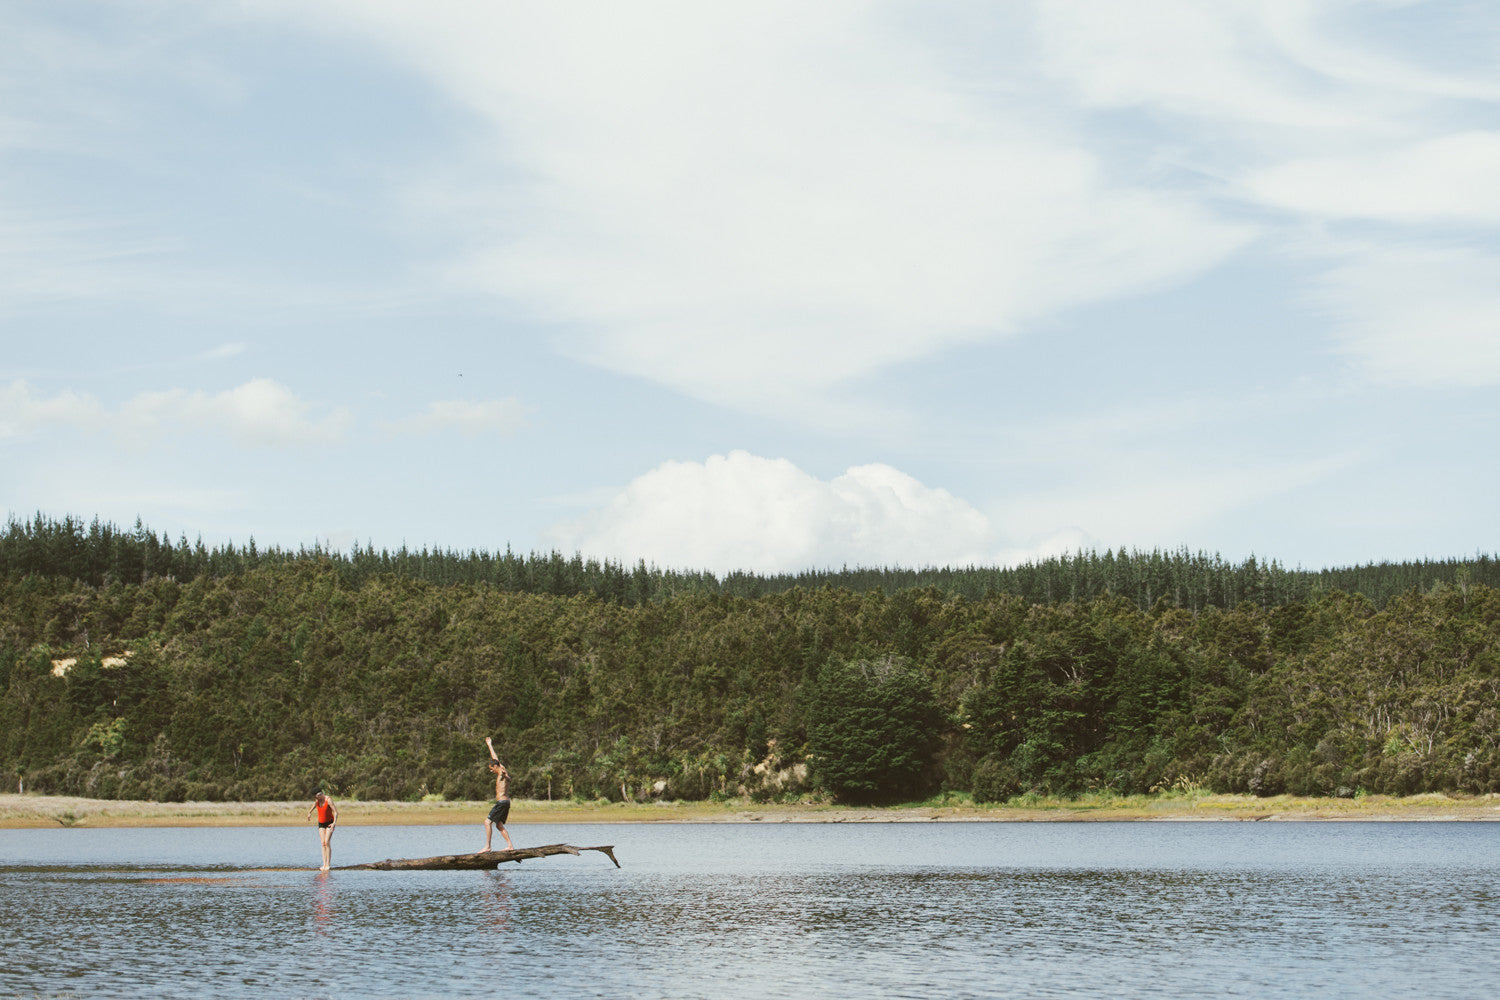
[796, 911]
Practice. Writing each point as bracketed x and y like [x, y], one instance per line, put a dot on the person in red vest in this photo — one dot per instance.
[328, 815]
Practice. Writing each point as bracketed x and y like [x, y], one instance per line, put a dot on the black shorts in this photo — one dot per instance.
[324, 826]
[499, 811]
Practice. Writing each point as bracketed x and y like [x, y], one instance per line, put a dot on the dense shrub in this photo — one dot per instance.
[995, 780]
[872, 730]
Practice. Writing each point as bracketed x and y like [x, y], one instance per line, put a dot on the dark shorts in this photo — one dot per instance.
[499, 811]
[324, 826]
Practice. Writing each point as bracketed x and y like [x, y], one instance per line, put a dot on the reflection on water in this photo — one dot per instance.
[497, 896]
[322, 901]
[786, 911]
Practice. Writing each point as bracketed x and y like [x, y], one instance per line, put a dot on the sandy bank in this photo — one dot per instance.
[53, 811]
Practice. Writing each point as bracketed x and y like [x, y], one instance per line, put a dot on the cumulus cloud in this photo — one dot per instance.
[744, 512]
[469, 418]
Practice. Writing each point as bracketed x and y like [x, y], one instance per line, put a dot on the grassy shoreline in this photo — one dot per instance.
[53, 811]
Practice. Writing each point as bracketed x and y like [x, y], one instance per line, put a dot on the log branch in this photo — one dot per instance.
[478, 861]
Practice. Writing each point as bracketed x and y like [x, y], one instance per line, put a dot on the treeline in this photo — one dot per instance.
[102, 553]
[269, 681]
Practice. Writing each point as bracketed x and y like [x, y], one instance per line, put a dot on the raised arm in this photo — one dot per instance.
[493, 755]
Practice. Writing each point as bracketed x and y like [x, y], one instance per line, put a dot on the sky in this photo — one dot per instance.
[761, 286]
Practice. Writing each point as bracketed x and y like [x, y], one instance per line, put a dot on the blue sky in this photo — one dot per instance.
[761, 286]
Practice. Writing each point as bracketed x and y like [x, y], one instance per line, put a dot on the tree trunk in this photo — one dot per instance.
[474, 862]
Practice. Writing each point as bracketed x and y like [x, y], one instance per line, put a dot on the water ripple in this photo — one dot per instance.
[1096, 910]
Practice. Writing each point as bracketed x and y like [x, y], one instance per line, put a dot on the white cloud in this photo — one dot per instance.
[469, 418]
[1452, 178]
[744, 512]
[1309, 108]
[23, 411]
[1216, 61]
[260, 413]
[224, 352]
[1425, 316]
[752, 202]
[1268, 71]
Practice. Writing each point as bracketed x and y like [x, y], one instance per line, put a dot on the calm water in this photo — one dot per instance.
[826, 911]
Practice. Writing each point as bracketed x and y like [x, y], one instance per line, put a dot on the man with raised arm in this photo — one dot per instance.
[500, 811]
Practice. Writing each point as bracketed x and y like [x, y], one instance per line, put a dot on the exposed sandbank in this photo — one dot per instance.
[53, 811]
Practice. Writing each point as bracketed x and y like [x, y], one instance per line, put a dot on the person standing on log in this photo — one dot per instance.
[328, 815]
[500, 811]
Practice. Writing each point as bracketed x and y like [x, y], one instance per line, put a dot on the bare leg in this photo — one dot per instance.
[506, 835]
[327, 838]
[488, 830]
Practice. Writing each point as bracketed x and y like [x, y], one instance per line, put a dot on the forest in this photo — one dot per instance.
[135, 667]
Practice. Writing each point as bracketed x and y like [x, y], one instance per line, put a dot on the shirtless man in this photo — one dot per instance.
[500, 811]
[328, 815]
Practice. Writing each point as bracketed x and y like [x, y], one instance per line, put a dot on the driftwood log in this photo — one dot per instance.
[478, 861]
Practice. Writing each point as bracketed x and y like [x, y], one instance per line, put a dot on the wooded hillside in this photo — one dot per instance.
[268, 679]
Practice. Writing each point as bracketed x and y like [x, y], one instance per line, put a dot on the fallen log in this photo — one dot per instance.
[478, 861]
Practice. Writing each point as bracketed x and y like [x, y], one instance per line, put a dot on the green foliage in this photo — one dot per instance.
[873, 727]
[995, 780]
[106, 739]
[251, 674]
[100, 554]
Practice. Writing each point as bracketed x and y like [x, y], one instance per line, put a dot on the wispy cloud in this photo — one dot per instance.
[24, 411]
[802, 208]
[260, 413]
[223, 352]
[1416, 315]
[1448, 179]
[470, 418]
[1284, 73]
[755, 202]
[1306, 108]
[1165, 501]
[760, 204]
